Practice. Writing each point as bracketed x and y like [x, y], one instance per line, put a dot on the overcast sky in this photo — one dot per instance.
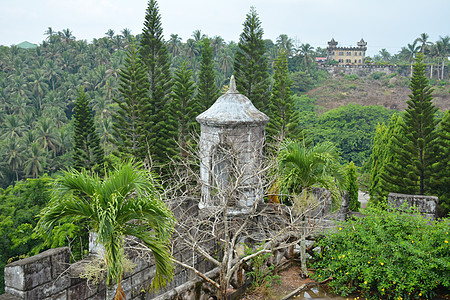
[388, 24]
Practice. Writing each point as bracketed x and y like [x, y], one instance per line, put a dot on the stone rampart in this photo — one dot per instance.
[426, 205]
[364, 70]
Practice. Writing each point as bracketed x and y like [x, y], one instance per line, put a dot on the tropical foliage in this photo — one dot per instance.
[126, 202]
[388, 254]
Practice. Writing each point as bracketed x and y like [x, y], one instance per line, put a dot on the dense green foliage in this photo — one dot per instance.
[19, 206]
[282, 113]
[87, 153]
[387, 255]
[250, 64]
[351, 128]
[411, 173]
[352, 187]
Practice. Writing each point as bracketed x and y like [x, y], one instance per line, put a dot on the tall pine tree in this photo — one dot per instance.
[88, 154]
[184, 108]
[128, 125]
[161, 133]
[440, 180]
[412, 171]
[250, 63]
[207, 92]
[283, 115]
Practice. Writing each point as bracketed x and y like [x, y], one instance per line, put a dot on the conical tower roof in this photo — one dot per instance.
[232, 108]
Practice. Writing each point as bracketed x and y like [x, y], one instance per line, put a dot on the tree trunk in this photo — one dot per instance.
[442, 70]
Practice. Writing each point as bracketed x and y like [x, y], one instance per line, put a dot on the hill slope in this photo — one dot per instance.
[388, 91]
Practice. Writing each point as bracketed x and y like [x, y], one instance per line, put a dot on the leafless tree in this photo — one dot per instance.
[233, 218]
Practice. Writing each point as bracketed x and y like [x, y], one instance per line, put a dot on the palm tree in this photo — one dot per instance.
[191, 48]
[126, 33]
[110, 34]
[285, 42]
[197, 35]
[303, 168]
[217, 43]
[412, 49]
[443, 48]
[36, 158]
[66, 35]
[49, 32]
[306, 50]
[12, 128]
[174, 45]
[125, 203]
[46, 135]
[13, 155]
[423, 39]
[385, 55]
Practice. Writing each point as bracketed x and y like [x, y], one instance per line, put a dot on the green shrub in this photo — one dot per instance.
[352, 77]
[262, 273]
[377, 75]
[387, 255]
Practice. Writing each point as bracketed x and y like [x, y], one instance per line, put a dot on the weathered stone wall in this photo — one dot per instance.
[426, 205]
[367, 70]
[49, 275]
[363, 71]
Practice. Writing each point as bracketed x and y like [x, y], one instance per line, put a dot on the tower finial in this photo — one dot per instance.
[232, 87]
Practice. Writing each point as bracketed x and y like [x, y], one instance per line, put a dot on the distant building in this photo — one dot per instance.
[347, 55]
[321, 60]
[27, 45]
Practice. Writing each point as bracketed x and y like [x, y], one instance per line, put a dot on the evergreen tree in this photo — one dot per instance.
[127, 128]
[412, 171]
[87, 153]
[159, 141]
[352, 187]
[283, 115]
[440, 181]
[207, 92]
[184, 107]
[250, 64]
[381, 157]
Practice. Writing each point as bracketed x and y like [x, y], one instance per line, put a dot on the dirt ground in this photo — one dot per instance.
[290, 280]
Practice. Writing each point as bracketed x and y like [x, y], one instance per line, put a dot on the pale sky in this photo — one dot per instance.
[388, 24]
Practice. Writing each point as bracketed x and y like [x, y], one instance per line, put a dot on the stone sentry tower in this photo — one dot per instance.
[231, 151]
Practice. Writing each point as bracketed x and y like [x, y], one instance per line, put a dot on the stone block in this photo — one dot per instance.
[84, 290]
[28, 273]
[60, 296]
[426, 205]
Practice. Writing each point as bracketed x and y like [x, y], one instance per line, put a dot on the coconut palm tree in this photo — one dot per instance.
[306, 50]
[36, 159]
[174, 45]
[412, 50]
[423, 39]
[443, 48]
[286, 43]
[126, 202]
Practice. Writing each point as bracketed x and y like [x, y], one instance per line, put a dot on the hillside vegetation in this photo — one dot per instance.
[389, 91]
